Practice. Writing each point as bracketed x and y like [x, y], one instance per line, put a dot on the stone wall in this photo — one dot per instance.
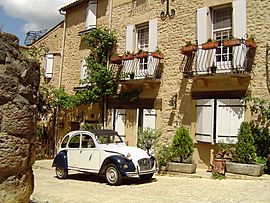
[19, 82]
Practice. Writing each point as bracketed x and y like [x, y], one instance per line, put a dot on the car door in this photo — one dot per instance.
[73, 151]
[89, 154]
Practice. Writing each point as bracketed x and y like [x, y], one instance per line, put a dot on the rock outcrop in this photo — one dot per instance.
[19, 83]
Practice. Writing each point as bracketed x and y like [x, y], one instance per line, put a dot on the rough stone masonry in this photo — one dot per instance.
[19, 83]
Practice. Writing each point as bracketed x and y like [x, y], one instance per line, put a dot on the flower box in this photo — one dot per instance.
[245, 169]
[181, 167]
[251, 44]
[231, 42]
[158, 55]
[116, 59]
[128, 57]
[141, 55]
[187, 50]
[210, 45]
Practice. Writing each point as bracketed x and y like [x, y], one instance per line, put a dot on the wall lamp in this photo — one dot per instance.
[173, 101]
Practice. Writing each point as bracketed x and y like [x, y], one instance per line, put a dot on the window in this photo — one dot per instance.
[143, 43]
[48, 66]
[74, 142]
[64, 142]
[87, 141]
[91, 14]
[222, 29]
[218, 120]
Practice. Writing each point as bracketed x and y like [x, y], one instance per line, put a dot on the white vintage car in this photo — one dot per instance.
[102, 152]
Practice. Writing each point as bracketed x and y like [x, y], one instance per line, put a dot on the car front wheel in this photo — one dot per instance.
[113, 176]
[146, 177]
[61, 173]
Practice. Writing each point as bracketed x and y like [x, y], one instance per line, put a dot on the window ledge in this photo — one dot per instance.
[84, 32]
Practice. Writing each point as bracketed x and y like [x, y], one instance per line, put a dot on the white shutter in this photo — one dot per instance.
[152, 35]
[83, 70]
[230, 115]
[91, 14]
[239, 30]
[130, 38]
[149, 118]
[239, 18]
[203, 33]
[48, 65]
[205, 120]
[120, 120]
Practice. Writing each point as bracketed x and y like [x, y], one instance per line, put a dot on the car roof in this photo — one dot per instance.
[96, 131]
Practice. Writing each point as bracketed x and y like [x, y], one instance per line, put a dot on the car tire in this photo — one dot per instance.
[61, 173]
[113, 175]
[146, 177]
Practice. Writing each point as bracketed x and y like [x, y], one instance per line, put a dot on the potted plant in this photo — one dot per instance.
[132, 75]
[231, 42]
[141, 54]
[116, 59]
[244, 158]
[127, 56]
[250, 42]
[210, 44]
[189, 48]
[157, 54]
[181, 153]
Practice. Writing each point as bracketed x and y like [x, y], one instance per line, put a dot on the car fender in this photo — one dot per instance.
[119, 161]
[60, 160]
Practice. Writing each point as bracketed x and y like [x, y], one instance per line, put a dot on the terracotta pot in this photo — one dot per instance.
[127, 57]
[158, 55]
[210, 45]
[187, 50]
[231, 43]
[251, 44]
[141, 55]
[116, 59]
[220, 166]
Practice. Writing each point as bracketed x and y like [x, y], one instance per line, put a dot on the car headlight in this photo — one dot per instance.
[128, 157]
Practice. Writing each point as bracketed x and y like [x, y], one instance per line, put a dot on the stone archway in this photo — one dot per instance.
[19, 83]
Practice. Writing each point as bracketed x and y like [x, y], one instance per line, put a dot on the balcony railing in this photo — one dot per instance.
[133, 67]
[220, 59]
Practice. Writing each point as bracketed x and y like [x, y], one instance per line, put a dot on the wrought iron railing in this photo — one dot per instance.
[224, 59]
[148, 67]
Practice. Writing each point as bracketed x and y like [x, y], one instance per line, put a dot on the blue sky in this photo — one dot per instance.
[20, 16]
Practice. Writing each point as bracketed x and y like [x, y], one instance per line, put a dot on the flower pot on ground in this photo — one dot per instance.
[181, 167]
[141, 54]
[231, 42]
[116, 59]
[245, 169]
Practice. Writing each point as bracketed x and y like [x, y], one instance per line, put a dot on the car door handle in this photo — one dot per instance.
[90, 157]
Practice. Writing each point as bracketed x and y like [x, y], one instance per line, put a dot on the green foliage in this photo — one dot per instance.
[245, 149]
[182, 145]
[216, 175]
[164, 155]
[262, 139]
[41, 131]
[147, 138]
[224, 151]
[132, 95]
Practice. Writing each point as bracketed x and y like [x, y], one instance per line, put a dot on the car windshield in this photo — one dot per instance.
[108, 139]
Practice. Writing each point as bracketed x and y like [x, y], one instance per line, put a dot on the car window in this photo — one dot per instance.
[87, 141]
[74, 142]
[108, 139]
[64, 142]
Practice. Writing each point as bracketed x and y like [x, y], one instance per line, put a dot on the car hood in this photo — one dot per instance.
[136, 153]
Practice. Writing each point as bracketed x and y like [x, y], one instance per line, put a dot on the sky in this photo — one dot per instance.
[20, 16]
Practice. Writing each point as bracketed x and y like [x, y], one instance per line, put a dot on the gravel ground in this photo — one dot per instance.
[82, 188]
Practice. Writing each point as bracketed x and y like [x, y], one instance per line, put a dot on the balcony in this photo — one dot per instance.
[130, 68]
[221, 59]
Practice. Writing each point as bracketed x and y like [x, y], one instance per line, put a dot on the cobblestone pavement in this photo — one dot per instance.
[83, 188]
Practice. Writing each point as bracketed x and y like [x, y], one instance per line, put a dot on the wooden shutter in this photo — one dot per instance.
[130, 38]
[205, 120]
[152, 62]
[230, 115]
[149, 118]
[48, 65]
[120, 120]
[91, 14]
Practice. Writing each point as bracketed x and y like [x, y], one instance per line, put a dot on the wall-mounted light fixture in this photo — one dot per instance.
[164, 15]
[173, 101]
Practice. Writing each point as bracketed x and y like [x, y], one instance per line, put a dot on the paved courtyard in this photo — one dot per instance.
[87, 188]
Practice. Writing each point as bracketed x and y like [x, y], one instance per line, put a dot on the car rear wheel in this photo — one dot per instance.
[146, 177]
[61, 173]
[113, 176]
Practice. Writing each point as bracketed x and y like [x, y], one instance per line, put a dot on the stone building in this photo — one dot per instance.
[200, 90]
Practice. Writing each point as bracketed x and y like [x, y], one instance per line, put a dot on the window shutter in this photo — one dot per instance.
[83, 70]
[205, 120]
[91, 14]
[152, 35]
[239, 18]
[130, 38]
[149, 118]
[203, 20]
[230, 115]
[120, 120]
[48, 65]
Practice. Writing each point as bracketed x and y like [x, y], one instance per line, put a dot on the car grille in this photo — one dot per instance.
[146, 164]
